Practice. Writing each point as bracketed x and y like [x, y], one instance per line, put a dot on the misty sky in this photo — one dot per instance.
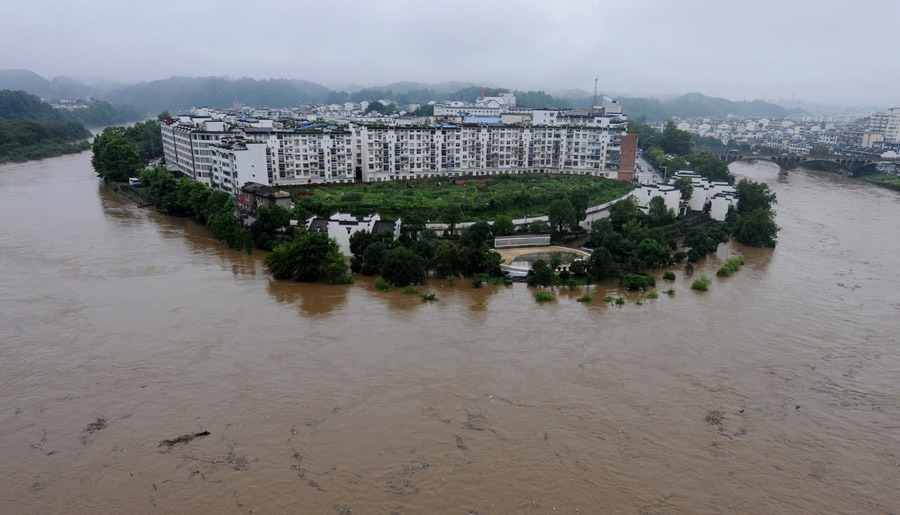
[825, 51]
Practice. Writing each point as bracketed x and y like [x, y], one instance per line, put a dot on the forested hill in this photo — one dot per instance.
[181, 93]
[697, 104]
[31, 129]
[178, 93]
[18, 105]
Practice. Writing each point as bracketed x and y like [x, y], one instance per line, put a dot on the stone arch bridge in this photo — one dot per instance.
[849, 163]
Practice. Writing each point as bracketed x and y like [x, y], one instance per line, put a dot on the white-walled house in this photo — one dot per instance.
[341, 226]
[644, 193]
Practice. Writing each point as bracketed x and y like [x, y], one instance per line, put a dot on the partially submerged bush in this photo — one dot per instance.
[669, 276]
[382, 285]
[701, 284]
[429, 296]
[585, 298]
[543, 296]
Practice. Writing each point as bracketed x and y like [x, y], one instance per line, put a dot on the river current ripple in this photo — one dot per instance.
[776, 391]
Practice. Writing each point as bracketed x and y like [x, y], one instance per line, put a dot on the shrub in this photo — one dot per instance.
[731, 265]
[543, 296]
[669, 276]
[585, 298]
[382, 285]
[478, 280]
[608, 299]
[701, 284]
[670, 291]
[355, 263]
[688, 269]
[565, 275]
[451, 278]
[637, 282]
[429, 296]
[620, 301]
[410, 290]
[652, 294]
[679, 256]
[578, 268]
[639, 303]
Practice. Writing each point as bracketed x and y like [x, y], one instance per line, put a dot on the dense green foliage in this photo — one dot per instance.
[672, 150]
[754, 221]
[543, 296]
[310, 257]
[114, 157]
[701, 284]
[512, 196]
[184, 197]
[31, 129]
[119, 152]
[100, 113]
[888, 181]
[731, 266]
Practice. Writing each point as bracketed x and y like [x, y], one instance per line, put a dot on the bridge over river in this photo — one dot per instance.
[850, 163]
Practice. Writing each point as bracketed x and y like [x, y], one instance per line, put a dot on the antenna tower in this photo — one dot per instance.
[596, 80]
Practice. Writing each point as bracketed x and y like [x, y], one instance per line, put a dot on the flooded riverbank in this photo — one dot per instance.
[774, 391]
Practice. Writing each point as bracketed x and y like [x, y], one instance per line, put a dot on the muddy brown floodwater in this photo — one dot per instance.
[126, 335]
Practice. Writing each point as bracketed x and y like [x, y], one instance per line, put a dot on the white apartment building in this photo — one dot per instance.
[887, 123]
[187, 145]
[225, 157]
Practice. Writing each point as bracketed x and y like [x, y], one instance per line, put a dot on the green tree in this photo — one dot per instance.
[411, 225]
[538, 227]
[658, 213]
[686, 187]
[711, 167]
[579, 199]
[312, 256]
[622, 211]
[753, 196]
[820, 150]
[562, 215]
[652, 254]
[675, 141]
[757, 229]
[543, 274]
[402, 266]
[163, 115]
[446, 259]
[601, 264]
[114, 157]
[476, 235]
[503, 225]
[452, 215]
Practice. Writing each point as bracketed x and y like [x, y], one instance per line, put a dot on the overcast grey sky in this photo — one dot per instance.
[826, 51]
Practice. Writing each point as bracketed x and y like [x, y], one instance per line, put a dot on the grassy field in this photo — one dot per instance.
[512, 195]
[888, 181]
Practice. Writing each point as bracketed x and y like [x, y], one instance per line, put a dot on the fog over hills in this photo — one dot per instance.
[180, 93]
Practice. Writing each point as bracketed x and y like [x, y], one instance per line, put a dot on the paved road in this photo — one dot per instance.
[647, 173]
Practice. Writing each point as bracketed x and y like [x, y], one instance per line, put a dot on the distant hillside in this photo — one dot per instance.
[180, 93]
[19, 105]
[60, 87]
[185, 92]
[31, 129]
[697, 104]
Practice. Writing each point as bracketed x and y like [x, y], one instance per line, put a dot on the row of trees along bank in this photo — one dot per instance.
[626, 244]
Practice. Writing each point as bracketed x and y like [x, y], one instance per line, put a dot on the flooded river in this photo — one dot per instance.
[776, 391]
